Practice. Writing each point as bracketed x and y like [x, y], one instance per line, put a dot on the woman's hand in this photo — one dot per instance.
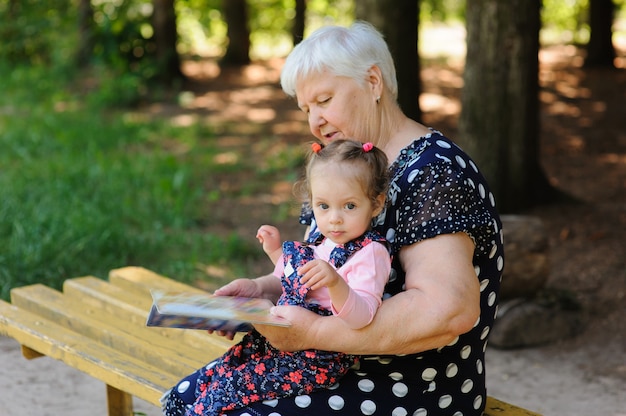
[295, 337]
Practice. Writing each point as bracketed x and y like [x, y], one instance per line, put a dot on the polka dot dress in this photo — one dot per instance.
[436, 189]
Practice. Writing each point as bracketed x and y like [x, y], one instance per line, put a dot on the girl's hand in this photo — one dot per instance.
[317, 274]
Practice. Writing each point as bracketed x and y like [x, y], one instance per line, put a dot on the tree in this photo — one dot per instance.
[85, 33]
[398, 21]
[297, 30]
[600, 50]
[236, 17]
[165, 39]
[499, 122]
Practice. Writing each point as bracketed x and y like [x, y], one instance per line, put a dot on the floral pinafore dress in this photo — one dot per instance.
[253, 370]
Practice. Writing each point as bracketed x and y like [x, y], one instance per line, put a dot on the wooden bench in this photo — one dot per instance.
[98, 327]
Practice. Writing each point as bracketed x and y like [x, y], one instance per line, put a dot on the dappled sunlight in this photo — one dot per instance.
[439, 103]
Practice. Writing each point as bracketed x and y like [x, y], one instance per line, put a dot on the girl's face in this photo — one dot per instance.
[342, 210]
[338, 107]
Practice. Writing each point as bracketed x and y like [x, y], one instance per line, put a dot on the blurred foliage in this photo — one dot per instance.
[46, 33]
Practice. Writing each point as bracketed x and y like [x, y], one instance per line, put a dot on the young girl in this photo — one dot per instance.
[342, 269]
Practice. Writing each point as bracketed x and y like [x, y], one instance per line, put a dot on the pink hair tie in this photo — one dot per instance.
[367, 147]
[316, 147]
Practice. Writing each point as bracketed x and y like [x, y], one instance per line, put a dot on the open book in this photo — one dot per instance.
[206, 311]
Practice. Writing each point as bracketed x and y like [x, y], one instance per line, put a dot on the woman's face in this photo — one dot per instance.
[337, 107]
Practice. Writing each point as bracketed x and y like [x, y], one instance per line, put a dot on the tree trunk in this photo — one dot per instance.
[398, 20]
[165, 39]
[85, 33]
[600, 50]
[499, 123]
[236, 16]
[297, 30]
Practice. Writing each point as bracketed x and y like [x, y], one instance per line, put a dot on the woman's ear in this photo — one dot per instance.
[375, 80]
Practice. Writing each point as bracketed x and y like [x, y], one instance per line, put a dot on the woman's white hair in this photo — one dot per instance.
[348, 52]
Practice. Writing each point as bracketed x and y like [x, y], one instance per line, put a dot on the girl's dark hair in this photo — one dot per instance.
[369, 166]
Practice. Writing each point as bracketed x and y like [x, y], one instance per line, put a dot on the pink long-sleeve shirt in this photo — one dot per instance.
[366, 273]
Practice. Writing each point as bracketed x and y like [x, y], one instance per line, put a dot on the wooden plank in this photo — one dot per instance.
[497, 407]
[129, 306]
[116, 369]
[140, 279]
[137, 340]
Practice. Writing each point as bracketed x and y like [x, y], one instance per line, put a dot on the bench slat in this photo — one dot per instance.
[139, 341]
[134, 307]
[119, 370]
[138, 279]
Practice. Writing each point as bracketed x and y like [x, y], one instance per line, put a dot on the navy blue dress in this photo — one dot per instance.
[436, 189]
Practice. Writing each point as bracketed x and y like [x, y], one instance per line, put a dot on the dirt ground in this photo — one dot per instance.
[583, 151]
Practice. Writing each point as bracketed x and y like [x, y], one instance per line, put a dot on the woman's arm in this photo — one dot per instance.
[441, 302]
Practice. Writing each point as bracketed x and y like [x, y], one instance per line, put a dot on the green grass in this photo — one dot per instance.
[85, 190]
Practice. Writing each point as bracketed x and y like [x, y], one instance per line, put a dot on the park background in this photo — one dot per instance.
[109, 157]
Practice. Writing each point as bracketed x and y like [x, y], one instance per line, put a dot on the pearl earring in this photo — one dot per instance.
[378, 100]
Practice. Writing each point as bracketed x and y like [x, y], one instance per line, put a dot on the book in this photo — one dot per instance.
[205, 311]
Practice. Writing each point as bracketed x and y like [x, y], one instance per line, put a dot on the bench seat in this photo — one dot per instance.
[98, 327]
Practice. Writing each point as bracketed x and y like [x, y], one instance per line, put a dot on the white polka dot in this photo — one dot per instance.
[458, 414]
[460, 161]
[445, 401]
[479, 366]
[429, 374]
[477, 270]
[466, 351]
[303, 401]
[366, 385]
[491, 299]
[420, 412]
[481, 190]
[492, 200]
[467, 386]
[478, 401]
[385, 360]
[395, 376]
[432, 387]
[412, 175]
[271, 403]
[391, 233]
[485, 332]
[494, 250]
[368, 407]
[452, 370]
[483, 284]
[400, 389]
[500, 263]
[443, 144]
[336, 402]
[399, 411]
[473, 165]
[182, 387]
[271, 414]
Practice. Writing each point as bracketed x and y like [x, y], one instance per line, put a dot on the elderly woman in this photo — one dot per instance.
[423, 354]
